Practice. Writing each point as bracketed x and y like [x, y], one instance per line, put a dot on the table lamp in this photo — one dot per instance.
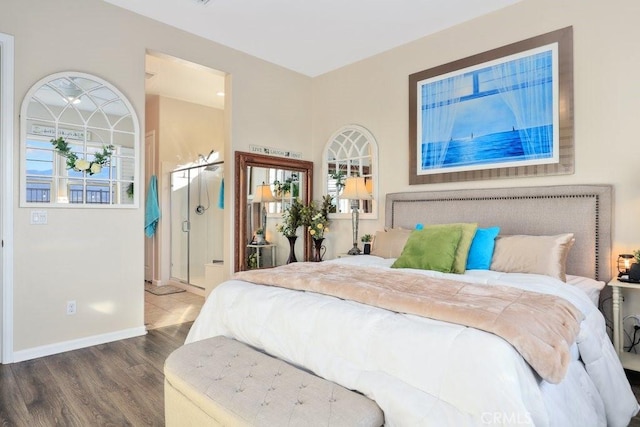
[624, 264]
[355, 189]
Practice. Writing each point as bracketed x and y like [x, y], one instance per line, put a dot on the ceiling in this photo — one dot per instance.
[183, 80]
[312, 37]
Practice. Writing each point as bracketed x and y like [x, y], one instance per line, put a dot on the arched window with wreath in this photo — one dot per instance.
[80, 144]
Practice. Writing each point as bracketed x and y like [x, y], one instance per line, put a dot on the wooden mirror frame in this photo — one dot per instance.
[244, 160]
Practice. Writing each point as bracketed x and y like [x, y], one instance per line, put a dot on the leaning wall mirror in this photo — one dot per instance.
[351, 151]
[79, 144]
[264, 187]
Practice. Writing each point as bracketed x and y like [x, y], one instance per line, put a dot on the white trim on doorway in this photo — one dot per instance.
[6, 186]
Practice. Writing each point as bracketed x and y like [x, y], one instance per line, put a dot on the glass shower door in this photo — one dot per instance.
[180, 225]
[200, 208]
[197, 222]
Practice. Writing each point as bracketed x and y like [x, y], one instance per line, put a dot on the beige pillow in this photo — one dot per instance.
[533, 254]
[389, 244]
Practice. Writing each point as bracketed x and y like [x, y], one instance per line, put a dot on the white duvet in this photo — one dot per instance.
[424, 372]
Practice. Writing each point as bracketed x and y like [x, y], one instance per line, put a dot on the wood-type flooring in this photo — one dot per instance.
[114, 384]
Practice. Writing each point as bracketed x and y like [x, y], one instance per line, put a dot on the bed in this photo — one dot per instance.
[425, 371]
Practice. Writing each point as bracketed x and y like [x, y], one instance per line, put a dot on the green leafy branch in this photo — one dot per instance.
[73, 162]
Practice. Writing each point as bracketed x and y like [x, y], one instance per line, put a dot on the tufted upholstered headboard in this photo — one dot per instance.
[584, 210]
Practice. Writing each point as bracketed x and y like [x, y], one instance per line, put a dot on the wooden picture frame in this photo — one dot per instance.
[504, 113]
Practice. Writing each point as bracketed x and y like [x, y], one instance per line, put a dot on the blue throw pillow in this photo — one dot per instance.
[481, 250]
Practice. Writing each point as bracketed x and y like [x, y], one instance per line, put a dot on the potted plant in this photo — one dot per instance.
[291, 220]
[339, 178]
[260, 240]
[287, 189]
[316, 220]
[366, 240]
[634, 268]
[252, 260]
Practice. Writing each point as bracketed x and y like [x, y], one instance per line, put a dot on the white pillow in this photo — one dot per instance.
[590, 287]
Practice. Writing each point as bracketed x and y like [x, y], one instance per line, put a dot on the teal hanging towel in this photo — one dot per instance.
[152, 208]
[221, 195]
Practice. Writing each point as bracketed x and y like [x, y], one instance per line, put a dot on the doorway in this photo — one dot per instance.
[6, 200]
[184, 120]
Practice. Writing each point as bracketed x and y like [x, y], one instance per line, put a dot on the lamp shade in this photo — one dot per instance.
[355, 189]
[369, 184]
[263, 194]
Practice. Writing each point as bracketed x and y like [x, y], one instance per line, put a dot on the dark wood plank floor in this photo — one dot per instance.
[114, 384]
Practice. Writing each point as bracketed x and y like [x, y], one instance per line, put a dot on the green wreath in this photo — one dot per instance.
[100, 159]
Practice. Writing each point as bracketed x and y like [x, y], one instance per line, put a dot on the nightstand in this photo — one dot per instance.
[259, 255]
[629, 361]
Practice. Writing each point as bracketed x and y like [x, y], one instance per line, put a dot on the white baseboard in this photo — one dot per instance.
[61, 347]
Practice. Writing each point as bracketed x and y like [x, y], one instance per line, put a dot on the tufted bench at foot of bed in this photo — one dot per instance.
[222, 382]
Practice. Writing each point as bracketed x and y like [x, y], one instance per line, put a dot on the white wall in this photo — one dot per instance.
[374, 93]
[96, 256]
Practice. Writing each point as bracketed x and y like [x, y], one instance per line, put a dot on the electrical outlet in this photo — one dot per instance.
[71, 307]
[634, 319]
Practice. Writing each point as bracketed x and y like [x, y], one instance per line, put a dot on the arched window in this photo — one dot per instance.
[351, 151]
[79, 143]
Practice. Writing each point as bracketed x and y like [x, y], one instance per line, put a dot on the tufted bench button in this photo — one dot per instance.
[225, 393]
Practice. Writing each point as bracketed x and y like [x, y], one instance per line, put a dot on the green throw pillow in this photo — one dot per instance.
[430, 249]
[462, 254]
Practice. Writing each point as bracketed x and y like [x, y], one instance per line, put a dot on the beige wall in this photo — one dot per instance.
[96, 256]
[187, 130]
[374, 94]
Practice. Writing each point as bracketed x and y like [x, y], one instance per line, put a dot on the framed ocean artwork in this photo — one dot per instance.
[503, 113]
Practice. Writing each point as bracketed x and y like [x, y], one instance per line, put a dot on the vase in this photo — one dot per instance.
[367, 248]
[292, 249]
[319, 250]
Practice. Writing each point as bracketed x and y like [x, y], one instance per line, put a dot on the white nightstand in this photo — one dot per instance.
[258, 251]
[629, 360]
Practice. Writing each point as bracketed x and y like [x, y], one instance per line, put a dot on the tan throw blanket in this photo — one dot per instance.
[541, 327]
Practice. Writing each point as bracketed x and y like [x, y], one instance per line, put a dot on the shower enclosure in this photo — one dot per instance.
[197, 221]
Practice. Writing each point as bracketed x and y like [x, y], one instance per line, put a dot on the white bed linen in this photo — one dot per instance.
[590, 287]
[422, 371]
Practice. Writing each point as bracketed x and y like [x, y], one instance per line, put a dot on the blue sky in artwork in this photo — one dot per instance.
[495, 114]
[482, 116]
